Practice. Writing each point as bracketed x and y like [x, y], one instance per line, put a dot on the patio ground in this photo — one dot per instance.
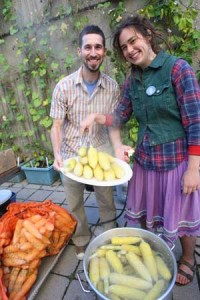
[58, 274]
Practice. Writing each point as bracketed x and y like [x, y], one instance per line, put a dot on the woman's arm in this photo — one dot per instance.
[188, 98]
[191, 177]
[89, 121]
[121, 151]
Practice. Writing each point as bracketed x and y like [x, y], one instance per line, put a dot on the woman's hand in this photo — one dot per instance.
[190, 181]
[122, 152]
[88, 123]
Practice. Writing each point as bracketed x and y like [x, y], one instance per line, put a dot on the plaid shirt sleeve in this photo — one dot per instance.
[188, 98]
[124, 109]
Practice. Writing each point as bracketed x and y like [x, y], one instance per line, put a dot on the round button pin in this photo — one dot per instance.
[150, 90]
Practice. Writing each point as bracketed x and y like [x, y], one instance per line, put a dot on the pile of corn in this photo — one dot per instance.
[128, 268]
[94, 164]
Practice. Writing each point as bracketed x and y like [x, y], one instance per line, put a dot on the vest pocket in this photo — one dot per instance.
[163, 98]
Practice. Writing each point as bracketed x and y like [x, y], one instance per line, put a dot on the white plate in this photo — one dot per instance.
[94, 181]
[5, 195]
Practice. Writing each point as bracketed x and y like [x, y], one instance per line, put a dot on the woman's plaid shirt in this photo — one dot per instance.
[167, 156]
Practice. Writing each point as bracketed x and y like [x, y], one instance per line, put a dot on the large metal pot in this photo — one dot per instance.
[156, 243]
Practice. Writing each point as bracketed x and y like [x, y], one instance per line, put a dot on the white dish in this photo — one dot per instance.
[5, 195]
[94, 181]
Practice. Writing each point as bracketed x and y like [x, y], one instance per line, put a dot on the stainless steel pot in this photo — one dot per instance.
[156, 243]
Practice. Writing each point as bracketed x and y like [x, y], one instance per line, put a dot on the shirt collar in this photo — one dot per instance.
[79, 78]
[158, 60]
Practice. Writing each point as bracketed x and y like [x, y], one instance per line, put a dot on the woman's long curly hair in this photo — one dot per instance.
[141, 25]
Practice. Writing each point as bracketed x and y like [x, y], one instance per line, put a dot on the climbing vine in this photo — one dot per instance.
[40, 66]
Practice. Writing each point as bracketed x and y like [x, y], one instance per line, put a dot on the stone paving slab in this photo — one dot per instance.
[62, 283]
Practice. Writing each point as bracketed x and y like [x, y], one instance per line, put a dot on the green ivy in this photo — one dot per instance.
[38, 63]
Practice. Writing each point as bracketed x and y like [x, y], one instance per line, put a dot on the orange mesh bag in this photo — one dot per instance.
[3, 295]
[28, 232]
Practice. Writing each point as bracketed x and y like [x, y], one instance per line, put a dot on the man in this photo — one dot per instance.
[83, 92]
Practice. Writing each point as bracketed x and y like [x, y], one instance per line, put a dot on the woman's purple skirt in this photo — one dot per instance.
[157, 198]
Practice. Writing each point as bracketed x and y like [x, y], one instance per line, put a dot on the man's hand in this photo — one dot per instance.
[58, 163]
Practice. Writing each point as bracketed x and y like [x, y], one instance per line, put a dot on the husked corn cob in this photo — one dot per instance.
[100, 286]
[104, 271]
[130, 281]
[163, 270]
[92, 157]
[131, 248]
[138, 265]
[120, 240]
[114, 261]
[113, 297]
[94, 270]
[104, 161]
[149, 259]
[126, 292]
[111, 247]
[99, 252]
[156, 290]
[118, 170]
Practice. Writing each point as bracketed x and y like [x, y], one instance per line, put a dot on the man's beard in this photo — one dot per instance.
[91, 69]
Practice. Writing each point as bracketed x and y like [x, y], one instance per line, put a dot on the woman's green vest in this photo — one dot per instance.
[154, 102]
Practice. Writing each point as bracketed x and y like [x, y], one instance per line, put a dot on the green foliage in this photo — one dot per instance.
[177, 22]
[40, 64]
[180, 34]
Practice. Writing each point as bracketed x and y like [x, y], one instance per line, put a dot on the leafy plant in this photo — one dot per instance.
[40, 67]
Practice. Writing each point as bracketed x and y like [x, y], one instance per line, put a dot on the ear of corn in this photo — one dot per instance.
[130, 281]
[87, 172]
[132, 248]
[82, 151]
[104, 161]
[83, 160]
[109, 175]
[156, 290]
[98, 173]
[163, 270]
[113, 297]
[111, 247]
[114, 261]
[126, 292]
[92, 157]
[111, 158]
[118, 170]
[70, 165]
[120, 240]
[78, 170]
[100, 286]
[149, 259]
[104, 271]
[94, 270]
[138, 265]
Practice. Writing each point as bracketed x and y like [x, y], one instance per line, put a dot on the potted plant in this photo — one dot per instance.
[39, 170]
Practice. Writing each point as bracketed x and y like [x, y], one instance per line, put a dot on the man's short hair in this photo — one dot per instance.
[91, 29]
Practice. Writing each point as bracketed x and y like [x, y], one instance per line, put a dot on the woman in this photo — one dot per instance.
[163, 94]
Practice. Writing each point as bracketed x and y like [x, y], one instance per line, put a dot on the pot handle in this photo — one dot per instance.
[80, 281]
[171, 244]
